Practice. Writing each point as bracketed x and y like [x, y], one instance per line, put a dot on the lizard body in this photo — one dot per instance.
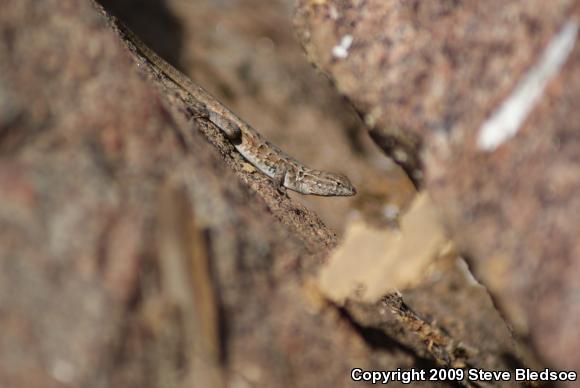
[266, 157]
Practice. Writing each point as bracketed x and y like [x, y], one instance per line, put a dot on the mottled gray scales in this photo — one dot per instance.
[266, 157]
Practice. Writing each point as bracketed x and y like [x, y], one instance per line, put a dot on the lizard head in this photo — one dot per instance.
[323, 183]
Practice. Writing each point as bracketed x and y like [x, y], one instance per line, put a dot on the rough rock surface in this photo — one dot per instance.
[106, 178]
[245, 53]
[87, 146]
[427, 75]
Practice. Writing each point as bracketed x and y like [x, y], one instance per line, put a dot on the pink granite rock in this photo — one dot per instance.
[480, 101]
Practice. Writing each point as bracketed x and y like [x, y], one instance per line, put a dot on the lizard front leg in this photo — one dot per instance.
[229, 128]
[280, 176]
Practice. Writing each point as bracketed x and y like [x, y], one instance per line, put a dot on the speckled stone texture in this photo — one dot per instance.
[86, 145]
[90, 137]
[427, 75]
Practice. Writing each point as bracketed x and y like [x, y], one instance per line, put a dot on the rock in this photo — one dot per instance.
[482, 98]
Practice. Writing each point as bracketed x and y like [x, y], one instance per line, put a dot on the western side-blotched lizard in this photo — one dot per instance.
[266, 157]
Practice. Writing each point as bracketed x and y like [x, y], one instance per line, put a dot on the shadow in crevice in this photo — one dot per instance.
[379, 340]
[153, 22]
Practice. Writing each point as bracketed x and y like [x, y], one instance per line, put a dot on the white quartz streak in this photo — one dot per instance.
[505, 122]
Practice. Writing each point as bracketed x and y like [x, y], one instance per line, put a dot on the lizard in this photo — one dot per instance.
[284, 170]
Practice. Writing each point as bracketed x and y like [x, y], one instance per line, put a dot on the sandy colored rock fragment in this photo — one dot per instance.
[372, 262]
